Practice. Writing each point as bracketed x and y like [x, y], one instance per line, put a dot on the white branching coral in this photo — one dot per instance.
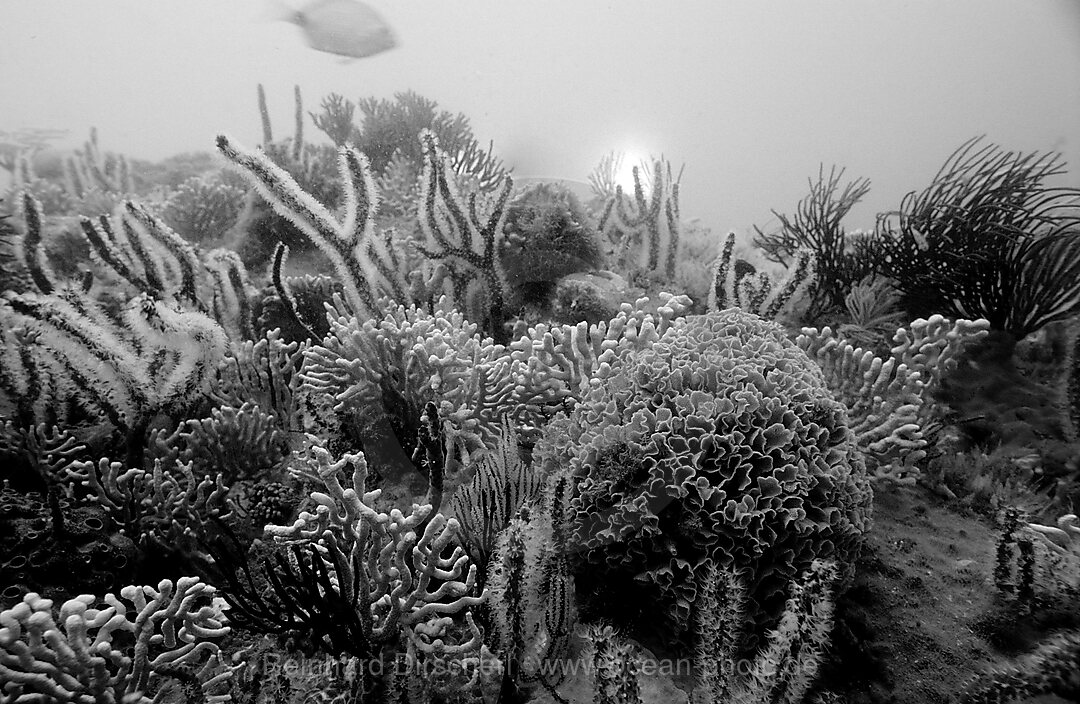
[167, 502]
[564, 359]
[265, 373]
[121, 651]
[392, 366]
[394, 565]
[890, 401]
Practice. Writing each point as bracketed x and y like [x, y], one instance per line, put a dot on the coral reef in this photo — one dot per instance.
[891, 400]
[81, 653]
[547, 237]
[203, 209]
[988, 238]
[478, 445]
[718, 442]
[840, 259]
[644, 230]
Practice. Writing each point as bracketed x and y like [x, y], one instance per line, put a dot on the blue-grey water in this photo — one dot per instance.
[751, 96]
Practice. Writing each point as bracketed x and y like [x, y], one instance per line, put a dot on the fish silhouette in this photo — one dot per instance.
[347, 28]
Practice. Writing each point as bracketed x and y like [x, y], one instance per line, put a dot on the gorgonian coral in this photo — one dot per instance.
[718, 444]
[203, 208]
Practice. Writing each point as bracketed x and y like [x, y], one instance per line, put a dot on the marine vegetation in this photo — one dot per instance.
[841, 259]
[548, 235]
[403, 468]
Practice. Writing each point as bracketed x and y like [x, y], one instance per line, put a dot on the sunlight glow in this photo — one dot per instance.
[624, 173]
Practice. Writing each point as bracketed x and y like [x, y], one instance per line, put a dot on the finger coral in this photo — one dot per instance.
[394, 564]
[238, 443]
[390, 368]
[167, 503]
[890, 400]
[395, 581]
[113, 652]
[718, 443]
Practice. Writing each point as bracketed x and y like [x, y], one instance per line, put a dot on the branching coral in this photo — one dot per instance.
[391, 129]
[202, 209]
[336, 120]
[463, 241]
[645, 229]
[122, 651]
[759, 294]
[365, 263]
[37, 455]
[167, 503]
[235, 443]
[890, 400]
[988, 238]
[377, 555]
[391, 581]
[265, 373]
[817, 227]
[719, 442]
[563, 359]
[390, 368]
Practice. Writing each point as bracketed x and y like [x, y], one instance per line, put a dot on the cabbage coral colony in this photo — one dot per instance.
[417, 462]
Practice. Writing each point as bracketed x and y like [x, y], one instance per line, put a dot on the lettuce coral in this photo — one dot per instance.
[718, 444]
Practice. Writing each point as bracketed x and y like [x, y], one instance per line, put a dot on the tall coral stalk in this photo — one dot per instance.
[463, 241]
[366, 264]
[645, 229]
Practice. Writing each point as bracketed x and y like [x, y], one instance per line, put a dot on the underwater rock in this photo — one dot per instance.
[82, 555]
[593, 296]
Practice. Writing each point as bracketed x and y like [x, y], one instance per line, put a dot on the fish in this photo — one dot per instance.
[347, 28]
